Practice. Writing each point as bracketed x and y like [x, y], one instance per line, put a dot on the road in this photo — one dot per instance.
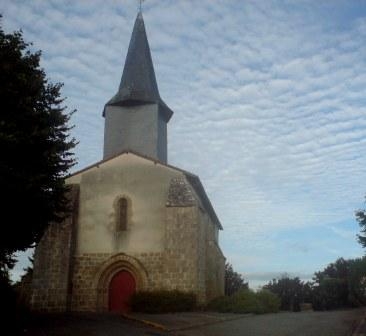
[88, 325]
[336, 323]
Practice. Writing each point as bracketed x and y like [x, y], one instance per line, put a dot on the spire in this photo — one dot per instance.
[140, 5]
[138, 84]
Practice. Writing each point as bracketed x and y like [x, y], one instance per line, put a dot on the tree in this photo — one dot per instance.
[35, 148]
[331, 286]
[233, 280]
[357, 282]
[361, 218]
[292, 292]
[337, 270]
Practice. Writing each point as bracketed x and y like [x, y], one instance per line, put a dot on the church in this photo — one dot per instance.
[136, 222]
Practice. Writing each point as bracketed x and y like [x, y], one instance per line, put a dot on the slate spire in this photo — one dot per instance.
[138, 84]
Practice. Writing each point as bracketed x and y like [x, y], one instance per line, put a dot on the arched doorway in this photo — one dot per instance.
[109, 269]
[121, 288]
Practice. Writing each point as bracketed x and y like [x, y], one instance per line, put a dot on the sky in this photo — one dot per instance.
[269, 101]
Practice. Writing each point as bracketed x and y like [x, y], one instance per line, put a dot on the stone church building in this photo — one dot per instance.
[137, 223]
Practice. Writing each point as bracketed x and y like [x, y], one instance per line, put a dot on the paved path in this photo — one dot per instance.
[181, 321]
[336, 323]
[361, 329]
[88, 325]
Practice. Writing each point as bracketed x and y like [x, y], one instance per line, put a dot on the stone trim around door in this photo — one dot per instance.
[111, 267]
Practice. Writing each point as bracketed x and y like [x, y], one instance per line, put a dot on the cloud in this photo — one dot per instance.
[268, 276]
[269, 102]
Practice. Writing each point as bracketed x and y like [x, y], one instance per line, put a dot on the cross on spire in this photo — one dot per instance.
[140, 5]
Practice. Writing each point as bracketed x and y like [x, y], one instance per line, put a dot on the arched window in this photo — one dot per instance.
[121, 215]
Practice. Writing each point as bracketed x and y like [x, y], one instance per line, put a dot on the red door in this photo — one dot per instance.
[121, 288]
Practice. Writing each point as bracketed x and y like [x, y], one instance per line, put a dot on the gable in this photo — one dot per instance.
[132, 158]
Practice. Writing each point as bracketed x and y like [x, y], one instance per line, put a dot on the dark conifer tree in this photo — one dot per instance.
[35, 148]
[233, 280]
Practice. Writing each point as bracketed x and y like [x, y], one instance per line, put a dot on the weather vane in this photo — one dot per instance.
[140, 5]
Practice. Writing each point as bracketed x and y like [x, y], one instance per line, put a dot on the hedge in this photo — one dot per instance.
[246, 301]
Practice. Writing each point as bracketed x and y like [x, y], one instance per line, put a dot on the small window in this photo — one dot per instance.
[122, 215]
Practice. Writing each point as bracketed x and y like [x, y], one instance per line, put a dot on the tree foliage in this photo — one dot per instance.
[340, 284]
[35, 147]
[337, 270]
[233, 280]
[361, 218]
[291, 291]
[246, 301]
[357, 282]
[330, 288]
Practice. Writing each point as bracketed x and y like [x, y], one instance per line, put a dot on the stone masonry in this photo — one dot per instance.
[53, 262]
[191, 260]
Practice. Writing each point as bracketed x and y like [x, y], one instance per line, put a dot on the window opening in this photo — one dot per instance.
[122, 215]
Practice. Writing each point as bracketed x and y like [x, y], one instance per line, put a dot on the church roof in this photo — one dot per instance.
[192, 179]
[138, 84]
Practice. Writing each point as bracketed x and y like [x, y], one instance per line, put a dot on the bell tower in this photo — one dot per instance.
[136, 117]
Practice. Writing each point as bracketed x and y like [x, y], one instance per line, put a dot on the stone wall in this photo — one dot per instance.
[145, 185]
[215, 271]
[189, 259]
[53, 265]
[194, 259]
[84, 287]
[215, 264]
[201, 255]
[93, 272]
[183, 265]
[181, 249]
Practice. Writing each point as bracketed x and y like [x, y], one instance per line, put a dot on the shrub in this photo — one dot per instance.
[292, 292]
[163, 301]
[269, 302]
[246, 301]
[222, 304]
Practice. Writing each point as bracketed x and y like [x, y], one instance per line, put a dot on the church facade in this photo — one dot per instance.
[136, 223]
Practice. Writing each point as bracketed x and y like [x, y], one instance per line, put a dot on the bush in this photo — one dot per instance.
[269, 302]
[163, 301]
[292, 292]
[222, 304]
[246, 301]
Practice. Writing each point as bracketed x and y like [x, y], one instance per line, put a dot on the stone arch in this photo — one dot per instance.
[112, 266]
